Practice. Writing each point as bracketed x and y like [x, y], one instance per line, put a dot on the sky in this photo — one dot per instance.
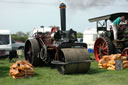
[24, 15]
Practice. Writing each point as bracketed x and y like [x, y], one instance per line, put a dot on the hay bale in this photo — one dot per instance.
[110, 62]
[21, 69]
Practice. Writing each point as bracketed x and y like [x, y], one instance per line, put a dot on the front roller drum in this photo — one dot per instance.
[76, 60]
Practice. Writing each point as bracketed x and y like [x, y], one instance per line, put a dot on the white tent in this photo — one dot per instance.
[89, 37]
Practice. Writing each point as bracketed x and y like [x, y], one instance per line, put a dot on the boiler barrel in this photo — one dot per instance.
[77, 59]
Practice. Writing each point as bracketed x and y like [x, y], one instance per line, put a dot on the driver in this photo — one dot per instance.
[116, 23]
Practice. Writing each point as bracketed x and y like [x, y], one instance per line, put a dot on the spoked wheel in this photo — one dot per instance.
[125, 52]
[31, 52]
[103, 46]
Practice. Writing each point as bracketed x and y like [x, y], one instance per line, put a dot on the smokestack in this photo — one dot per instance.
[63, 16]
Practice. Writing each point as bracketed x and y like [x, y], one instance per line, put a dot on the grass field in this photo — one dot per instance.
[50, 76]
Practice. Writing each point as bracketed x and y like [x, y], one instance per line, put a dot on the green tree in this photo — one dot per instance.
[79, 35]
[20, 36]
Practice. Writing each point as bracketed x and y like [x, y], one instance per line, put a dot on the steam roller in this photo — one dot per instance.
[58, 47]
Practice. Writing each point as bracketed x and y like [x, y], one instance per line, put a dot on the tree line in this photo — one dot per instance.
[20, 36]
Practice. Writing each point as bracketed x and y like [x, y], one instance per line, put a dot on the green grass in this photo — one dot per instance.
[50, 76]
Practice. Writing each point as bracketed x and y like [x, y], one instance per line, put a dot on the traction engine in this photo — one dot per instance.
[59, 47]
[105, 43]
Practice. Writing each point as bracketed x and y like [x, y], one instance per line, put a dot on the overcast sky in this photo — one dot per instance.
[24, 15]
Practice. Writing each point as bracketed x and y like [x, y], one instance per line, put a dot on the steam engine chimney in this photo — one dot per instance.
[63, 16]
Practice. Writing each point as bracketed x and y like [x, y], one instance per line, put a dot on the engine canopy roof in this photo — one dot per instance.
[110, 17]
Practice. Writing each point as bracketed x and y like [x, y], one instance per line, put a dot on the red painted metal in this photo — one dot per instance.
[47, 39]
[125, 52]
[100, 48]
[54, 29]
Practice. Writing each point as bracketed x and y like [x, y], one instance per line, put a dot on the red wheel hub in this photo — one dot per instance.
[100, 48]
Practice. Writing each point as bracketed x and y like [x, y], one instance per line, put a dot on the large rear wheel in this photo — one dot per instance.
[31, 52]
[103, 46]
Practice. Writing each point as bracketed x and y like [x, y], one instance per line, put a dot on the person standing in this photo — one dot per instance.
[116, 23]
